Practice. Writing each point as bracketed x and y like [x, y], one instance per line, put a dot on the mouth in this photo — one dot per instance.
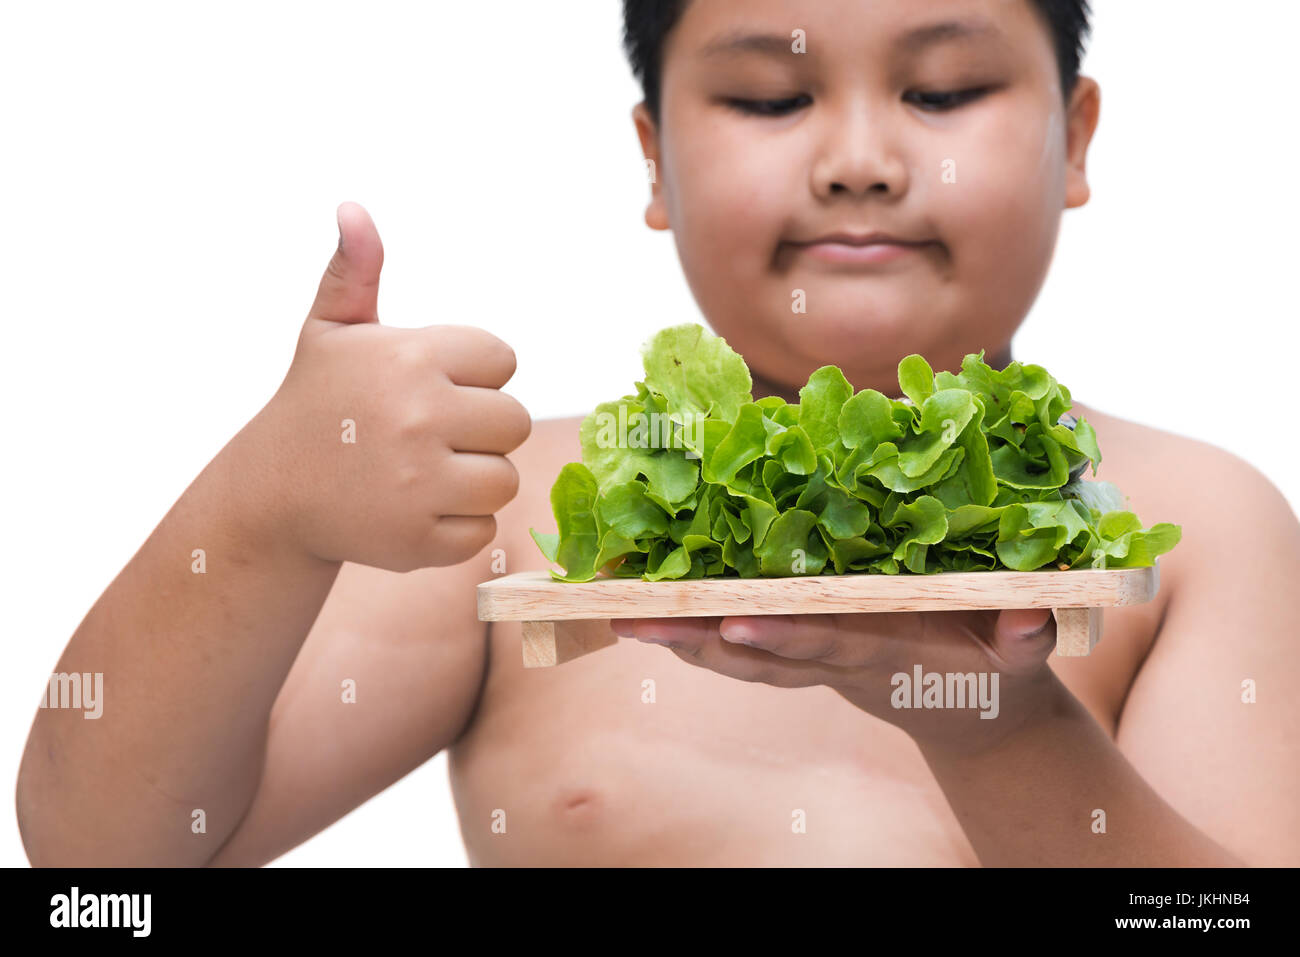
[868, 249]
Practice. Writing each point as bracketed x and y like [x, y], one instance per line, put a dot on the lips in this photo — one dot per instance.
[847, 247]
[861, 239]
[879, 252]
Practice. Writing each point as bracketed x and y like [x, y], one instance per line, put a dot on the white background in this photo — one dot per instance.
[170, 174]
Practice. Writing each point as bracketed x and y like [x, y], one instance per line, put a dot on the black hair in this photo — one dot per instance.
[647, 23]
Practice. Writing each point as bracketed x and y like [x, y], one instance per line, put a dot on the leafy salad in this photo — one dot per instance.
[691, 478]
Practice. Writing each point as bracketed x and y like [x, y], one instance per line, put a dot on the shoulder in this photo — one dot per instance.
[1168, 458]
[1230, 511]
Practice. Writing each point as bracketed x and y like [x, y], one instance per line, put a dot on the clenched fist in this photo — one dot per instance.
[390, 443]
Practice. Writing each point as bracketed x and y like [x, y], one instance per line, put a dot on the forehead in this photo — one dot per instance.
[722, 31]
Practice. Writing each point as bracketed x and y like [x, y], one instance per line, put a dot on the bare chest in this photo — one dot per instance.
[629, 756]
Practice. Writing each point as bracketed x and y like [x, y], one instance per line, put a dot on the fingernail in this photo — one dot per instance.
[666, 642]
[737, 635]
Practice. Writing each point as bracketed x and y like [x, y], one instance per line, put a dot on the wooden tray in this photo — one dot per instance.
[565, 620]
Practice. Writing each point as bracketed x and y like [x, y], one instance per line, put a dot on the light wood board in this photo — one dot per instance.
[565, 620]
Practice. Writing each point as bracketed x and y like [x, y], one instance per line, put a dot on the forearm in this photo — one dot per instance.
[192, 658]
[1033, 798]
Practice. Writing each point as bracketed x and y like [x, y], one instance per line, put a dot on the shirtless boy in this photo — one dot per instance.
[328, 561]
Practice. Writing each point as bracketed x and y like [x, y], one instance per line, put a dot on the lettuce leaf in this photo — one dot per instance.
[689, 477]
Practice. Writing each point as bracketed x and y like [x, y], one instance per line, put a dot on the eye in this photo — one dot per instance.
[944, 101]
[770, 107]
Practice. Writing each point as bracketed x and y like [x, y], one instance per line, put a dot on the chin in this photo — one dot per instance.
[864, 340]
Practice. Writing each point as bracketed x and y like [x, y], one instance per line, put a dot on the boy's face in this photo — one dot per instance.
[857, 142]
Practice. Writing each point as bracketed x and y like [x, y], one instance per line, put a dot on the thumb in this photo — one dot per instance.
[1023, 636]
[349, 290]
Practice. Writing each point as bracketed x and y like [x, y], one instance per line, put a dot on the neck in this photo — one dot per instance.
[764, 387]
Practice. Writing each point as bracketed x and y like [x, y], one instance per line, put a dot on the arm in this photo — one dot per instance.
[1033, 799]
[192, 664]
[1196, 776]
[417, 652]
[257, 734]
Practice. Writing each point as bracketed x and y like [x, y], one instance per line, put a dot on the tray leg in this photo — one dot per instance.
[550, 643]
[1077, 630]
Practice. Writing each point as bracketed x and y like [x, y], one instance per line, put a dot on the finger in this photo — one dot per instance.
[460, 536]
[696, 641]
[473, 356]
[687, 633]
[753, 664]
[485, 483]
[1022, 638]
[799, 637]
[485, 420]
[349, 289]
[1020, 622]
[857, 639]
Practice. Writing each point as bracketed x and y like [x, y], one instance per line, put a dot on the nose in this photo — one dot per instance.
[858, 154]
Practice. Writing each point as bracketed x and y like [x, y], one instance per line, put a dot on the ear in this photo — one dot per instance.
[1083, 112]
[656, 214]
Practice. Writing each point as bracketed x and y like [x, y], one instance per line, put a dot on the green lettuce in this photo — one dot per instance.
[689, 477]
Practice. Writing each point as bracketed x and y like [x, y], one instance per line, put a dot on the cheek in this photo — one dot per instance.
[729, 199]
[1005, 204]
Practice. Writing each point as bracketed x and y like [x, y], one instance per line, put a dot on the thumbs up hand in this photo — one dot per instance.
[388, 445]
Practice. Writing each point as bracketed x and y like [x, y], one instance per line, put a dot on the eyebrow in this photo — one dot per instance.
[912, 42]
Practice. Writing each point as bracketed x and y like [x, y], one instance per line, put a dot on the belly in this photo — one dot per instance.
[630, 757]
